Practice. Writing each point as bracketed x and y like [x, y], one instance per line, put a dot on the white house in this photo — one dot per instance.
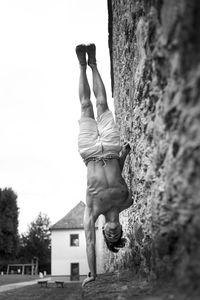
[68, 245]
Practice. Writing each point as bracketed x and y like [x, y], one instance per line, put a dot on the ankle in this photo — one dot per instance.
[82, 67]
[93, 66]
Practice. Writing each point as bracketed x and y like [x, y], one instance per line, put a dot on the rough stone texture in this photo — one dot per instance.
[155, 71]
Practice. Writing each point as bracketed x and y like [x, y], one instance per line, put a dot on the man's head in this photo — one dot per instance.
[112, 232]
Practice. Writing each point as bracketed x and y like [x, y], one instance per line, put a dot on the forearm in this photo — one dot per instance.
[122, 160]
[89, 226]
[91, 256]
[125, 151]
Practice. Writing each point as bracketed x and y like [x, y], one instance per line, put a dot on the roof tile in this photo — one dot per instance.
[73, 219]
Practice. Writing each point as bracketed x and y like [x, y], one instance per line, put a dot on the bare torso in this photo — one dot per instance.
[106, 188]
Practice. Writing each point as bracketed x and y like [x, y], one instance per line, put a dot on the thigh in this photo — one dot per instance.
[107, 126]
[102, 107]
[88, 132]
[109, 134]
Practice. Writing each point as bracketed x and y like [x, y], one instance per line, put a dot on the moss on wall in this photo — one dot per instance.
[155, 71]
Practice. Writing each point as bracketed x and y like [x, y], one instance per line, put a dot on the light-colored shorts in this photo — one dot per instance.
[99, 138]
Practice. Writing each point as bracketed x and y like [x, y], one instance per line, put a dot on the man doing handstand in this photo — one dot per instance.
[99, 146]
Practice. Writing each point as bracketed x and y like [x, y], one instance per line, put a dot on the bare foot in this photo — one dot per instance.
[81, 54]
[91, 51]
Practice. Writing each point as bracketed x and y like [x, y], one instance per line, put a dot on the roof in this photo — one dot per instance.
[72, 220]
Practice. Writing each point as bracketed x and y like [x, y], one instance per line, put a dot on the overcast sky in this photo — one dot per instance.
[39, 101]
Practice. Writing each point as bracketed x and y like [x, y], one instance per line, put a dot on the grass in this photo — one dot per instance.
[108, 287]
[7, 279]
[71, 291]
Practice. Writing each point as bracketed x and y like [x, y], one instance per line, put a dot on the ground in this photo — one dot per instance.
[111, 286]
[126, 286]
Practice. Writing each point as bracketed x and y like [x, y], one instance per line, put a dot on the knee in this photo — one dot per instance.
[85, 103]
[101, 100]
[87, 108]
[102, 105]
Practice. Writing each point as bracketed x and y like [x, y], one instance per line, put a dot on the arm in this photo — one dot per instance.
[127, 203]
[89, 226]
[125, 151]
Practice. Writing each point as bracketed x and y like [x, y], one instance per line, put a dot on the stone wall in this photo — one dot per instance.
[155, 71]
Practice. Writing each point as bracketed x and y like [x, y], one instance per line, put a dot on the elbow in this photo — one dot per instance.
[130, 200]
[90, 240]
[90, 245]
[121, 165]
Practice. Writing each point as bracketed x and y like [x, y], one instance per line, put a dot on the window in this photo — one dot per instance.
[74, 240]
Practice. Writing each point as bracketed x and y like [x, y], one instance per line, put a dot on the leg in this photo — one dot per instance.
[84, 88]
[84, 95]
[98, 85]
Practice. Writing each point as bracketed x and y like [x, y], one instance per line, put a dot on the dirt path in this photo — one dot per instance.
[12, 286]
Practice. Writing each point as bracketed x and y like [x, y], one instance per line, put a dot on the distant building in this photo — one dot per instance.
[68, 245]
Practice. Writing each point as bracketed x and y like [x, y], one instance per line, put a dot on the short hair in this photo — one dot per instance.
[112, 246]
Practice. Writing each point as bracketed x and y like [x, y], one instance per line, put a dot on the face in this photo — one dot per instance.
[113, 231]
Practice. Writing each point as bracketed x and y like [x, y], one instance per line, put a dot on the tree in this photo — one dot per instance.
[36, 243]
[9, 238]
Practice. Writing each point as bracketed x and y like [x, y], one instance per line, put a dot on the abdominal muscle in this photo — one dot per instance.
[106, 187]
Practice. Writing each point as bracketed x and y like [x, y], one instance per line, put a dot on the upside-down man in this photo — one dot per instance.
[99, 146]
